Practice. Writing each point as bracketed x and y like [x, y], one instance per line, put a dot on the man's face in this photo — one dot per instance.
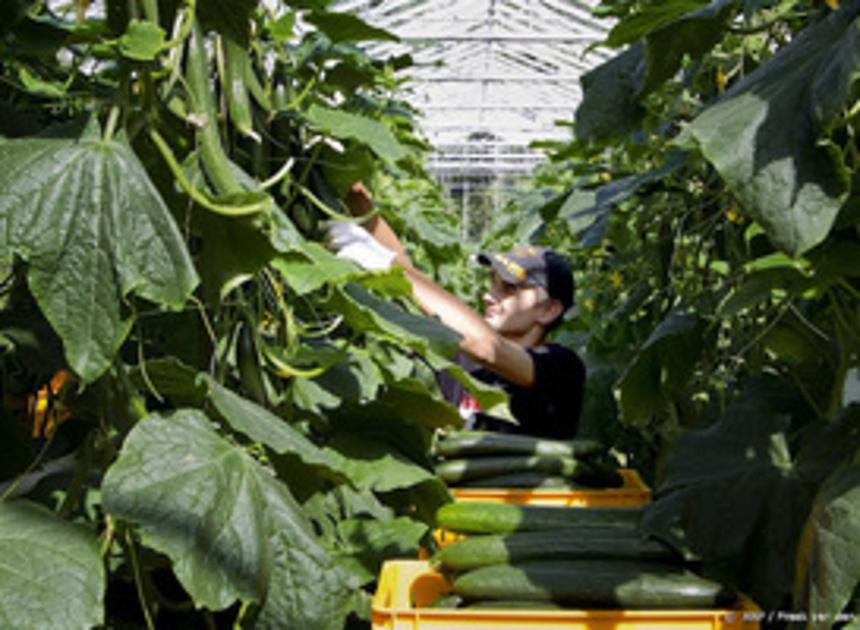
[513, 310]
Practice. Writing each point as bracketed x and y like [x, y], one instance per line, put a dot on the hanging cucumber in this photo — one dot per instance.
[235, 89]
[248, 361]
[215, 162]
[473, 517]
[594, 584]
[255, 88]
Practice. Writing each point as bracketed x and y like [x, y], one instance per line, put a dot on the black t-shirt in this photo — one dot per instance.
[549, 408]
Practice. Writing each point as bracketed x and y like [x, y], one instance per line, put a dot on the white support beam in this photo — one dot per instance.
[522, 78]
[512, 106]
[524, 38]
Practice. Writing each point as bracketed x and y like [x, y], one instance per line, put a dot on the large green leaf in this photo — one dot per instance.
[766, 136]
[306, 587]
[364, 311]
[828, 562]
[311, 267]
[261, 425]
[86, 217]
[692, 34]
[737, 494]
[51, 572]
[422, 405]
[231, 529]
[662, 367]
[355, 379]
[649, 18]
[376, 465]
[345, 27]
[366, 543]
[587, 211]
[347, 125]
[609, 107]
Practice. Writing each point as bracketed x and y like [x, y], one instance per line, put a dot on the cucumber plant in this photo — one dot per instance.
[244, 437]
[708, 201]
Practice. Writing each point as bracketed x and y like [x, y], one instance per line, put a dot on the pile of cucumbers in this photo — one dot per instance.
[484, 459]
[553, 557]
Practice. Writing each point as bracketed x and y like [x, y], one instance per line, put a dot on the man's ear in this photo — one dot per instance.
[551, 311]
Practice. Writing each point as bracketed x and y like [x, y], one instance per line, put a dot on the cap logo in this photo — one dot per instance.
[526, 250]
[513, 268]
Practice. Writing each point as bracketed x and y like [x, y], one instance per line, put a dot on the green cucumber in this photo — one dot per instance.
[594, 584]
[475, 517]
[575, 543]
[248, 361]
[446, 600]
[466, 443]
[215, 162]
[457, 470]
[234, 88]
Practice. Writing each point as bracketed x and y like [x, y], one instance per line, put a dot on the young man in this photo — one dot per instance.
[531, 290]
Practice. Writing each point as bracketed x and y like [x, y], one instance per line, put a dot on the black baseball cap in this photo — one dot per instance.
[534, 266]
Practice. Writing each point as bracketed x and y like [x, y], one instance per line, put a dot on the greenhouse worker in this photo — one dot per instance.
[531, 290]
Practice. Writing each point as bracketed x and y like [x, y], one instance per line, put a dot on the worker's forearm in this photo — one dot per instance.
[479, 340]
[453, 312]
[383, 233]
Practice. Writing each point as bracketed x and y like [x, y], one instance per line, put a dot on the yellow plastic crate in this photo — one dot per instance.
[406, 587]
[634, 492]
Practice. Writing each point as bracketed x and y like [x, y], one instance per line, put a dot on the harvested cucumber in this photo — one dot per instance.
[447, 600]
[458, 470]
[594, 584]
[474, 517]
[467, 443]
[575, 543]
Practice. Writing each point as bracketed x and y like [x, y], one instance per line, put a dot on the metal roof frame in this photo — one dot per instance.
[502, 69]
[489, 78]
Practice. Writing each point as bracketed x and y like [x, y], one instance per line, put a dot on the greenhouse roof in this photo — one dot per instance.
[490, 76]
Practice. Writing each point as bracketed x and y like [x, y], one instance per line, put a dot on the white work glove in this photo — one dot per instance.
[353, 242]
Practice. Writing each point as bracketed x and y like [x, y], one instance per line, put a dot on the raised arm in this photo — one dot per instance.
[360, 202]
[504, 357]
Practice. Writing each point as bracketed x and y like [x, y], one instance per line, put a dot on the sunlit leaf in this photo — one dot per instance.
[86, 217]
[231, 529]
[142, 41]
[345, 27]
[767, 135]
[369, 131]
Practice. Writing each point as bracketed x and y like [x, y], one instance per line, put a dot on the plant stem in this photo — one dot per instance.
[199, 196]
[138, 580]
[110, 126]
[33, 465]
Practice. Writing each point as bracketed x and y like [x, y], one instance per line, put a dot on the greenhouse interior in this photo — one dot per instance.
[388, 314]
